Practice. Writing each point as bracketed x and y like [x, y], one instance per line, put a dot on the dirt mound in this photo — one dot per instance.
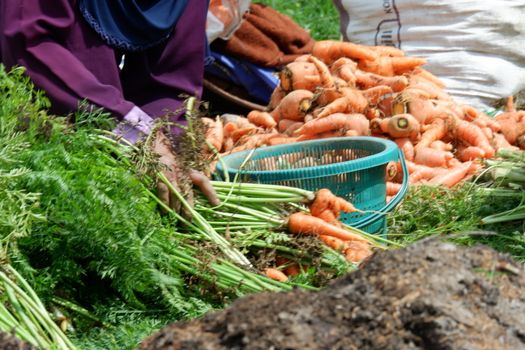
[431, 295]
[10, 342]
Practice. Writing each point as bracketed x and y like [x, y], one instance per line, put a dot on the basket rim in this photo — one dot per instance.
[389, 153]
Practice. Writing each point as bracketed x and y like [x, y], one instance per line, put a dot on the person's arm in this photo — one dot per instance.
[38, 35]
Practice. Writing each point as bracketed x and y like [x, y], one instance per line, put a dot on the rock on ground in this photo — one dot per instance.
[430, 295]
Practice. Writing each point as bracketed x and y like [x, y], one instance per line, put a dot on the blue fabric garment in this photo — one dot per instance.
[132, 25]
[259, 82]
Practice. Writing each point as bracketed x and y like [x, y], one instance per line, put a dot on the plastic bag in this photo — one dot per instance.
[224, 17]
[475, 47]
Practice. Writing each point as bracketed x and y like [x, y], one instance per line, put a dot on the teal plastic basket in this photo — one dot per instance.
[351, 167]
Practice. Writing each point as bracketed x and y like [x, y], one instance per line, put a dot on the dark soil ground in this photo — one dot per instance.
[431, 295]
[10, 342]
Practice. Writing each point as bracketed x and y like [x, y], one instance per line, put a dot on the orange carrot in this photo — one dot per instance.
[392, 188]
[452, 176]
[299, 76]
[403, 125]
[323, 135]
[474, 136]
[301, 223]
[391, 170]
[292, 270]
[345, 69]
[293, 106]
[469, 153]
[345, 104]
[390, 66]
[229, 128]
[488, 133]
[330, 50]
[357, 251]
[276, 97]
[322, 200]
[262, 119]
[275, 274]
[437, 130]
[281, 140]
[379, 125]
[366, 80]
[285, 124]
[332, 242]
[432, 157]
[425, 173]
[327, 81]
[341, 204]
[406, 146]
[375, 94]
[441, 146]
[336, 121]
[329, 217]
[512, 125]
[499, 141]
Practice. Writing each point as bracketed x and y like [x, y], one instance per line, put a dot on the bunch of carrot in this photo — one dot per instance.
[252, 207]
[344, 89]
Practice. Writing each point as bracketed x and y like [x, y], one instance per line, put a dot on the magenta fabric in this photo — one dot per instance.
[68, 60]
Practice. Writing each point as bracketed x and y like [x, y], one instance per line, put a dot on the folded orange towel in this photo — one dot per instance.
[267, 38]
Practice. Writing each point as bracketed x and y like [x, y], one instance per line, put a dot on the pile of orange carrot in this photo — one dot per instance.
[344, 89]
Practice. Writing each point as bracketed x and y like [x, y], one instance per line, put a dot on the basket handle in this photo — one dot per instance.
[393, 203]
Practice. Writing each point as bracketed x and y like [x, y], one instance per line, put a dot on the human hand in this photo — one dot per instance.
[181, 181]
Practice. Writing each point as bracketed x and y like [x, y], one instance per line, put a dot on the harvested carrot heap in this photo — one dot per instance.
[345, 89]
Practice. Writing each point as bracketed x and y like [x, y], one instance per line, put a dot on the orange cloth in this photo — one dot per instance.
[267, 38]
